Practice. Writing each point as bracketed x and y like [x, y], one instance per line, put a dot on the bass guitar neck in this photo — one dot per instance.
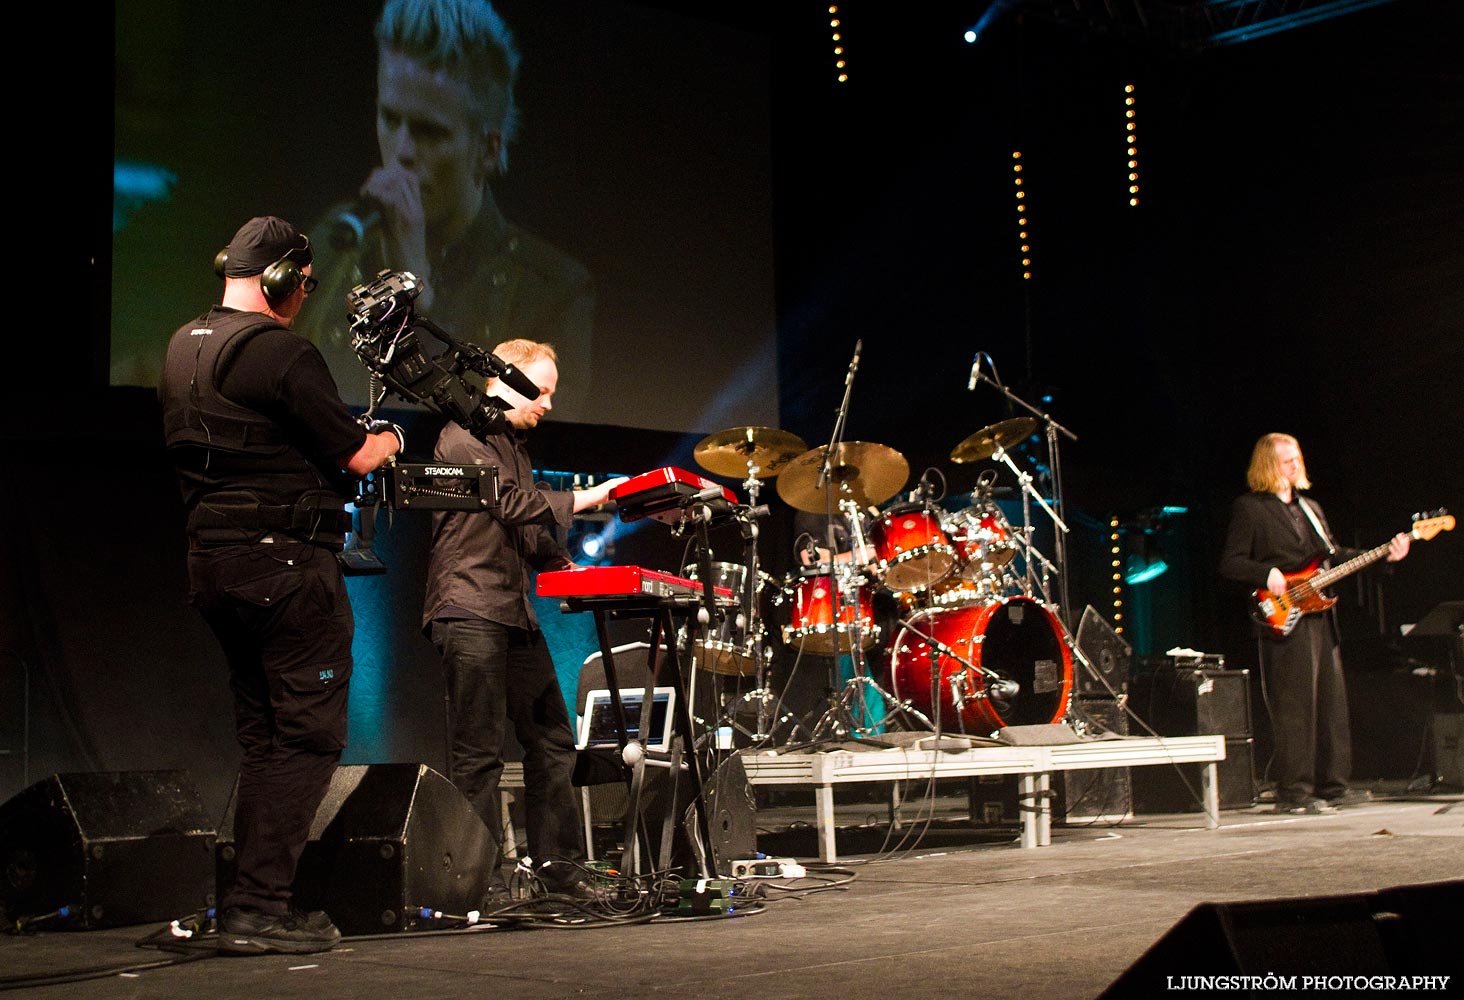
[1281, 612]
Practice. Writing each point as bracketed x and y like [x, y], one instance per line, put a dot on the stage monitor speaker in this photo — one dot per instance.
[1107, 652]
[731, 808]
[115, 847]
[388, 840]
[1193, 701]
[1394, 931]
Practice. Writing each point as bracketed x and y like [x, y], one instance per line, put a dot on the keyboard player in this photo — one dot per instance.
[479, 614]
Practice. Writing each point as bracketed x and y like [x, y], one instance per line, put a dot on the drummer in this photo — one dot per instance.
[812, 534]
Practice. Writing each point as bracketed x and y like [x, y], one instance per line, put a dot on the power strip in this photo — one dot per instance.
[768, 868]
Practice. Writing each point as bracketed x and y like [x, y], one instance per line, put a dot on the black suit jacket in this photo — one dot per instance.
[1264, 534]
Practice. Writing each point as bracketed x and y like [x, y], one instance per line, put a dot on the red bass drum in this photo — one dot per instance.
[1018, 639]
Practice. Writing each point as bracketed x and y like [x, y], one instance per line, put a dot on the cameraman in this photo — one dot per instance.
[260, 438]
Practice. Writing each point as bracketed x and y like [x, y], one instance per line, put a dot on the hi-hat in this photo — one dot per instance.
[737, 450]
[985, 442]
[869, 474]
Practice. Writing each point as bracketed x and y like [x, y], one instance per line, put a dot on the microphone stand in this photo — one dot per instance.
[1051, 430]
[839, 715]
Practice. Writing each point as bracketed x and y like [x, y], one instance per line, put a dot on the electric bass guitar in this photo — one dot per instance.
[1304, 589]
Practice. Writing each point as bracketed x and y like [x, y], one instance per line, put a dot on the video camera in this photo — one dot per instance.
[386, 335]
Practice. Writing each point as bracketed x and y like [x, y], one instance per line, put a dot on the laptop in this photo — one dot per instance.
[597, 722]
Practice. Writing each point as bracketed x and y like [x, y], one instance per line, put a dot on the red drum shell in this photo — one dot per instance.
[1018, 639]
[983, 540]
[913, 548]
[814, 629]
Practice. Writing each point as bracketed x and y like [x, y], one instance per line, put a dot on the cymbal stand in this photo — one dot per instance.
[1052, 429]
[1028, 495]
[751, 614]
[1031, 555]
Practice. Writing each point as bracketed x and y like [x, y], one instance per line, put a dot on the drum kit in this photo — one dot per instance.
[976, 645]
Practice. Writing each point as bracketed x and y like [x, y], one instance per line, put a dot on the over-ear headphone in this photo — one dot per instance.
[278, 281]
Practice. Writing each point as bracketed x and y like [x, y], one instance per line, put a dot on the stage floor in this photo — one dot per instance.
[962, 915]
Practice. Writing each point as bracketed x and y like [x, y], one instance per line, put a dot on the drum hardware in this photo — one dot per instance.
[760, 452]
[1004, 435]
[849, 476]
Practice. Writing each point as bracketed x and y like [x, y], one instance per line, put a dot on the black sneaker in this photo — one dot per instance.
[1350, 797]
[250, 932]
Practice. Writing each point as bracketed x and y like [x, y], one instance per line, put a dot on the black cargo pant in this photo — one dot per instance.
[282, 615]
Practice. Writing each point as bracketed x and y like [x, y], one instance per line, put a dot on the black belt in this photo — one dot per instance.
[221, 519]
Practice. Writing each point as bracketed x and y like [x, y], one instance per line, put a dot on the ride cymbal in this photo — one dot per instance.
[867, 473]
[732, 452]
[985, 442]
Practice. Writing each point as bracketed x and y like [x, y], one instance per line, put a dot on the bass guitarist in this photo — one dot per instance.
[1274, 531]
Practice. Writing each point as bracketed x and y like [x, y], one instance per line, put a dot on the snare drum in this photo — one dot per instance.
[729, 649]
[819, 629]
[913, 548]
[1018, 639]
[983, 539]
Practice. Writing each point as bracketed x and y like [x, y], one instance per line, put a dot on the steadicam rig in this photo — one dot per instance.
[386, 336]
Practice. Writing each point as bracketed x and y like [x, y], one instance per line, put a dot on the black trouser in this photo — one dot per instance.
[1307, 697]
[497, 674]
[281, 613]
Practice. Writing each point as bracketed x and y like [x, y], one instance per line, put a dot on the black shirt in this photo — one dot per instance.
[480, 562]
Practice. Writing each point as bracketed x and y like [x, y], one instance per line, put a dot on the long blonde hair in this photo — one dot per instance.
[1264, 474]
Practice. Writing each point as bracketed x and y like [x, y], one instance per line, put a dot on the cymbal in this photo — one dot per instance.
[730, 452]
[985, 442]
[869, 474]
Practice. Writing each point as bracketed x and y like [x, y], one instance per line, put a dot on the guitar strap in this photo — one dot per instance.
[1317, 523]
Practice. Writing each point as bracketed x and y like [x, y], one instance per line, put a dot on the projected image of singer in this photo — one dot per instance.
[445, 118]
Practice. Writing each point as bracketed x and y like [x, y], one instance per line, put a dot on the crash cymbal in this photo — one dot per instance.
[869, 474]
[730, 452]
[985, 442]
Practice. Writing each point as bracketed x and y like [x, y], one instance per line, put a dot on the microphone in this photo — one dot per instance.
[348, 229]
[975, 372]
[810, 551]
[516, 379]
[1004, 690]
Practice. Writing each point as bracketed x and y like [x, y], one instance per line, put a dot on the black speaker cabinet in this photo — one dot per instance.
[1407, 930]
[1100, 794]
[1158, 788]
[1193, 701]
[388, 840]
[116, 847]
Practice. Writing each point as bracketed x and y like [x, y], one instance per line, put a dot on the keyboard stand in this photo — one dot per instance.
[641, 856]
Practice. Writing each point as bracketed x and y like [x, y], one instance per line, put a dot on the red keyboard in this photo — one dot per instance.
[610, 582]
[664, 493]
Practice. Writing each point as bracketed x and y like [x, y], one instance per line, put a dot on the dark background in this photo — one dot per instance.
[1295, 264]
